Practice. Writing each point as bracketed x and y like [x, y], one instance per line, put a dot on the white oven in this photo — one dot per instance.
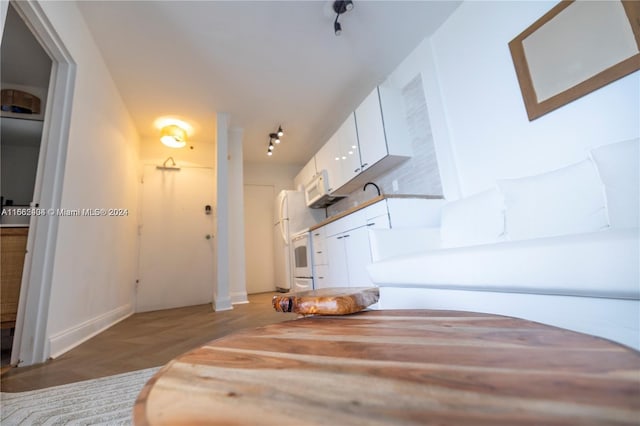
[301, 258]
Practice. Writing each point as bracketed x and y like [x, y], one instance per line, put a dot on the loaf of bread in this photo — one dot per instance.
[327, 301]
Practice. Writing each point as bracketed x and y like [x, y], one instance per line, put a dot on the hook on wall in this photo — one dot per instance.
[164, 166]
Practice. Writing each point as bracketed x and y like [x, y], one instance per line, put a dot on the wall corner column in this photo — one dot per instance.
[221, 295]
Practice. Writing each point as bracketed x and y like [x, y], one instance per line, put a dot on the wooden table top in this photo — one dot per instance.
[398, 367]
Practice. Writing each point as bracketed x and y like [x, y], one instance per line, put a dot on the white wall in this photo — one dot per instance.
[95, 257]
[197, 153]
[477, 114]
[279, 175]
[19, 166]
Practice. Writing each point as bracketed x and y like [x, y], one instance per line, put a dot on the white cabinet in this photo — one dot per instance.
[383, 136]
[347, 143]
[327, 158]
[369, 142]
[341, 249]
[338, 271]
[306, 174]
[347, 249]
[339, 156]
[319, 256]
[373, 143]
[372, 140]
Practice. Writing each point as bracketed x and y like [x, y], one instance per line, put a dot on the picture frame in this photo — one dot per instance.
[574, 49]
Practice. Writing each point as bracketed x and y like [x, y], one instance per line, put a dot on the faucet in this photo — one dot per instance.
[371, 183]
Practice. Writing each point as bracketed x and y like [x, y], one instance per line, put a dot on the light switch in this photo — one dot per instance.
[394, 184]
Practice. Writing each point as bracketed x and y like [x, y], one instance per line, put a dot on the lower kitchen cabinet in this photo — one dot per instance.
[342, 250]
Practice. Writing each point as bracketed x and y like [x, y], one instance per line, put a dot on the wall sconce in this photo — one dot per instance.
[274, 138]
[340, 7]
[173, 136]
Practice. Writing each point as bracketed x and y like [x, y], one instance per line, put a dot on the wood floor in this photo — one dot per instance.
[144, 340]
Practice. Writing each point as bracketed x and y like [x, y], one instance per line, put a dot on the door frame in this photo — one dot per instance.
[30, 344]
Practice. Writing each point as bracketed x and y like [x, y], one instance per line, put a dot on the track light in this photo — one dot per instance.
[274, 138]
[337, 28]
[340, 7]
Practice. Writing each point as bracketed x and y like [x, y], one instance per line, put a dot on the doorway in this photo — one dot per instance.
[176, 238]
[258, 237]
[26, 71]
[30, 340]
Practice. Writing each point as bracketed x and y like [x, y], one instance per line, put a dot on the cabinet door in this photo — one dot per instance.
[371, 131]
[328, 158]
[358, 256]
[306, 174]
[320, 276]
[347, 139]
[337, 272]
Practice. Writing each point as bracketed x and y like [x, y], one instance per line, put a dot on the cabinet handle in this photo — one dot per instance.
[356, 170]
[371, 224]
[319, 252]
[365, 165]
[339, 238]
[346, 235]
[317, 235]
[330, 189]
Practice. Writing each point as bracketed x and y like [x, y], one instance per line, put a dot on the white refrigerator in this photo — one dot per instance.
[291, 216]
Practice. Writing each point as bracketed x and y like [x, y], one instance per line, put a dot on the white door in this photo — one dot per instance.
[258, 238]
[176, 240]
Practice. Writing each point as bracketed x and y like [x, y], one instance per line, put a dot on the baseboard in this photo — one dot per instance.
[70, 338]
[239, 297]
[222, 304]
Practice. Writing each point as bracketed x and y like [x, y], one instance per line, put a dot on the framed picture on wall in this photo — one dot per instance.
[574, 49]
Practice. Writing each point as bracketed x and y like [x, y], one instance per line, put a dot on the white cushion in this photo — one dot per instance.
[596, 264]
[566, 201]
[478, 219]
[618, 165]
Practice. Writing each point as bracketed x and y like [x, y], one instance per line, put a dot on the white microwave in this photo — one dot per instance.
[316, 192]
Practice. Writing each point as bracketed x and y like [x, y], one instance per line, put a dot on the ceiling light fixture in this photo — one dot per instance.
[274, 138]
[173, 136]
[340, 7]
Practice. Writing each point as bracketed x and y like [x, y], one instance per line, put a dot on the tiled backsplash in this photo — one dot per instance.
[419, 174]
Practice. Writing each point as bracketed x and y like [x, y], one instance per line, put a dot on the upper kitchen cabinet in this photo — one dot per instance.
[306, 174]
[372, 140]
[383, 134]
[349, 158]
[339, 156]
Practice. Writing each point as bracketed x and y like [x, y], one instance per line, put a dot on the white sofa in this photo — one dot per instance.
[561, 248]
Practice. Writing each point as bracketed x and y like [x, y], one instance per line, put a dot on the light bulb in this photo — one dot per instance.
[280, 132]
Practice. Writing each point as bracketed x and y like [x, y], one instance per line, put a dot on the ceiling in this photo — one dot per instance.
[266, 63]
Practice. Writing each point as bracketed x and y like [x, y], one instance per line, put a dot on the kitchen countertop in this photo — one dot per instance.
[367, 204]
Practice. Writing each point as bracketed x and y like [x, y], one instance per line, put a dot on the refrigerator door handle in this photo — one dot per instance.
[281, 208]
[284, 237]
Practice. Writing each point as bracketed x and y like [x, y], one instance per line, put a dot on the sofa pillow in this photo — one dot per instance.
[478, 219]
[566, 201]
[618, 165]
